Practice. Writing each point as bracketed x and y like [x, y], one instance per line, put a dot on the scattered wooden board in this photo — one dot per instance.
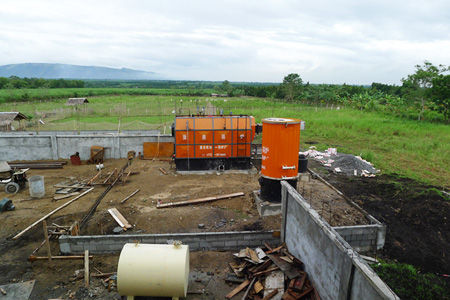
[56, 198]
[131, 195]
[86, 268]
[201, 200]
[51, 213]
[237, 289]
[120, 219]
[288, 269]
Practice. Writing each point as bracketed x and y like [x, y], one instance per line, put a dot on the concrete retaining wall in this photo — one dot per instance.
[336, 269]
[56, 145]
[363, 237]
[100, 244]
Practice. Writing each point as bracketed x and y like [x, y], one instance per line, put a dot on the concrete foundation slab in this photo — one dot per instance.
[215, 172]
[266, 208]
[16, 291]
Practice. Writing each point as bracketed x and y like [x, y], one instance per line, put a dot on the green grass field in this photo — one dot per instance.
[418, 150]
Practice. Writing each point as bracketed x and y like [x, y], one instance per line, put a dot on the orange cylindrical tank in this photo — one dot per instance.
[280, 146]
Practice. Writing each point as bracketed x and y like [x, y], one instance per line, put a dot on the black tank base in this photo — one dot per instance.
[271, 188]
[219, 164]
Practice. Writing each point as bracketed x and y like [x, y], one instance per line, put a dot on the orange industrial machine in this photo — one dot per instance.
[213, 142]
[279, 161]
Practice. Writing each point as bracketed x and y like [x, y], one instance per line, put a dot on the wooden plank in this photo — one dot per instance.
[201, 200]
[103, 274]
[237, 289]
[120, 219]
[266, 271]
[271, 294]
[56, 198]
[258, 287]
[109, 176]
[95, 177]
[49, 253]
[86, 268]
[34, 258]
[163, 171]
[131, 195]
[51, 213]
[288, 269]
[126, 177]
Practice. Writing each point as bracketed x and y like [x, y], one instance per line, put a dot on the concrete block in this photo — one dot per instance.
[231, 243]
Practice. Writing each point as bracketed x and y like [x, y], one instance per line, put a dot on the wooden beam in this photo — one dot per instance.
[131, 195]
[51, 213]
[34, 258]
[49, 253]
[86, 268]
[95, 177]
[201, 200]
[109, 176]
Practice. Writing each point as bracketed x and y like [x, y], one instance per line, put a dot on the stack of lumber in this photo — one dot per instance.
[269, 273]
[48, 164]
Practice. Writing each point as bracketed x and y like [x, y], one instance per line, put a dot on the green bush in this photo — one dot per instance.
[408, 283]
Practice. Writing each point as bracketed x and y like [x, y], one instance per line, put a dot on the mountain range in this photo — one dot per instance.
[66, 71]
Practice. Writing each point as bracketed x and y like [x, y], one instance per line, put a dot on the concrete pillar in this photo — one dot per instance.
[54, 145]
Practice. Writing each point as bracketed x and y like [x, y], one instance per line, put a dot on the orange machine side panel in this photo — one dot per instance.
[280, 146]
[203, 151]
[155, 149]
[222, 150]
[184, 123]
[227, 136]
[222, 137]
[184, 137]
[203, 137]
[183, 151]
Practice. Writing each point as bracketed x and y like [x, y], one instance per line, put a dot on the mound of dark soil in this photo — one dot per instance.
[417, 217]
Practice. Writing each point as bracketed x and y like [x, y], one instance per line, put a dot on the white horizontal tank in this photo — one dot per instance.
[153, 270]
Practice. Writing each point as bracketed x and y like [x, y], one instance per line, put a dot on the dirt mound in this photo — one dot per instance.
[418, 229]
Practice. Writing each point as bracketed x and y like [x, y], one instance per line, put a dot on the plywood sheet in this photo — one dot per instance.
[155, 149]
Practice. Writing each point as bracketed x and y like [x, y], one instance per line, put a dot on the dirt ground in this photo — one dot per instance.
[416, 215]
[329, 204]
[53, 279]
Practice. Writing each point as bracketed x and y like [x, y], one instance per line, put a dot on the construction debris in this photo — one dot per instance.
[56, 198]
[131, 195]
[201, 200]
[119, 218]
[347, 164]
[102, 195]
[6, 205]
[38, 165]
[32, 258]
[51, 213]
[262, 274]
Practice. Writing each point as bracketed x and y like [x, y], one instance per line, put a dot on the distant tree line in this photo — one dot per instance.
[15, 82]
[424, 94]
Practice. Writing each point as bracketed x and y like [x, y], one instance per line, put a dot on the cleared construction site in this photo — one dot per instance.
[203, 212]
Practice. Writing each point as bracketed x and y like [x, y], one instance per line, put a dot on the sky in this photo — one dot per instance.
[353, 42]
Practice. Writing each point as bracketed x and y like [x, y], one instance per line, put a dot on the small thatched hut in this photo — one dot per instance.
[77, 101]
[7, 118]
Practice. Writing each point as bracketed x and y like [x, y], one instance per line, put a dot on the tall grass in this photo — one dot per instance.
[419, 150]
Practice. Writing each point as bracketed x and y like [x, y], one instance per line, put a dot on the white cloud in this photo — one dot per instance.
[324, 41]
